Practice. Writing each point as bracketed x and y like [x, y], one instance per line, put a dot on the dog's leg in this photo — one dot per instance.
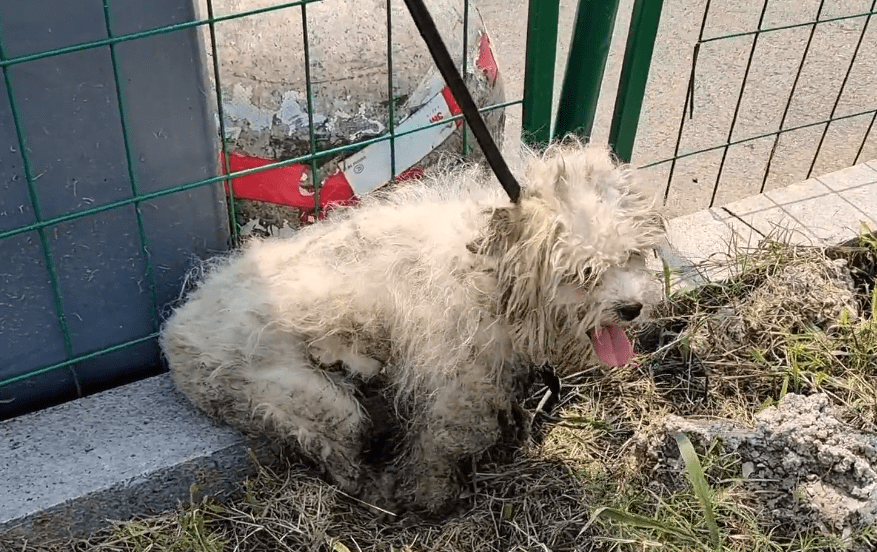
[463, 420]
[331, 349]
[300, 402]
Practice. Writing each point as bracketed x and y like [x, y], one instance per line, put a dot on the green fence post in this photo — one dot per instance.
[539, 71]
[644, 22]
[588, 50]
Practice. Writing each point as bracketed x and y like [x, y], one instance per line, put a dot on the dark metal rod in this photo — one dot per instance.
[425, 24]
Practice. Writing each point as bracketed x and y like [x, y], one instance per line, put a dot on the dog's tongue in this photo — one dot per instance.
[612, 345]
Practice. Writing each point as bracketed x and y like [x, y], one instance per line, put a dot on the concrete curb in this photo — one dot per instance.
[134, 450]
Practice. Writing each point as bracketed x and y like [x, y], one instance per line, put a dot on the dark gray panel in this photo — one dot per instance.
[70, 112]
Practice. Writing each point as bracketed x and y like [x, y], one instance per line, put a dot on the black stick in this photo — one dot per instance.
[448, 69]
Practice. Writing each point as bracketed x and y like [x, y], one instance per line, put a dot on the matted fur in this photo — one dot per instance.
[442, 290]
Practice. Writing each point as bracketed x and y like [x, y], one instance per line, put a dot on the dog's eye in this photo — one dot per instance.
[582, 278]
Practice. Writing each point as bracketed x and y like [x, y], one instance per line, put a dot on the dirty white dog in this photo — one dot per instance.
[443, 291]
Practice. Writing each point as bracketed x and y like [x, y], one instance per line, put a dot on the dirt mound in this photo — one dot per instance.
[802, 466]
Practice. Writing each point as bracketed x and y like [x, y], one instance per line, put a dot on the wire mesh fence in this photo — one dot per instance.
[90, 265]
[143, 136]
[777, 92]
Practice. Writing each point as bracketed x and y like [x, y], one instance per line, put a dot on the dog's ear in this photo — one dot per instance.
[550, 177]
[500, 231]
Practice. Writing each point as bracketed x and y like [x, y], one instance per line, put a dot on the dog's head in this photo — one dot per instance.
[571, 256]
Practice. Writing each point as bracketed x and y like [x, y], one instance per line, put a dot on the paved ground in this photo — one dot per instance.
[826, 210]
[720, 69]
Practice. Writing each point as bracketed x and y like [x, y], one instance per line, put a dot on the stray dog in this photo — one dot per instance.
[442, 290]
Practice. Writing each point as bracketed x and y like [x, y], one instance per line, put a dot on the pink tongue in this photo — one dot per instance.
[612, 346]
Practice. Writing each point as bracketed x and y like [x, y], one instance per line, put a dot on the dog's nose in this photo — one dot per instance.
[629, 311]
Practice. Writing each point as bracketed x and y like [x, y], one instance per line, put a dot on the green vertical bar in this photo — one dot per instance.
[465, 127]
[309, 88]
[588, 51]
[391, 97]
[132, 167]
[644, 21]
[542, 22]
[226, 167]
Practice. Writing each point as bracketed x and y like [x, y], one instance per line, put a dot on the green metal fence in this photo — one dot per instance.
[590, 43]
[589, 47]
[809, 20]
[67, 371]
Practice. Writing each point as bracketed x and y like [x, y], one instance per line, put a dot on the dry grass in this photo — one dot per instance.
[531, 504]
[789, 319]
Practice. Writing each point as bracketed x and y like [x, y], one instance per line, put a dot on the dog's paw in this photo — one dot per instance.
[366, 367]
[380, 490]
[436, 490]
